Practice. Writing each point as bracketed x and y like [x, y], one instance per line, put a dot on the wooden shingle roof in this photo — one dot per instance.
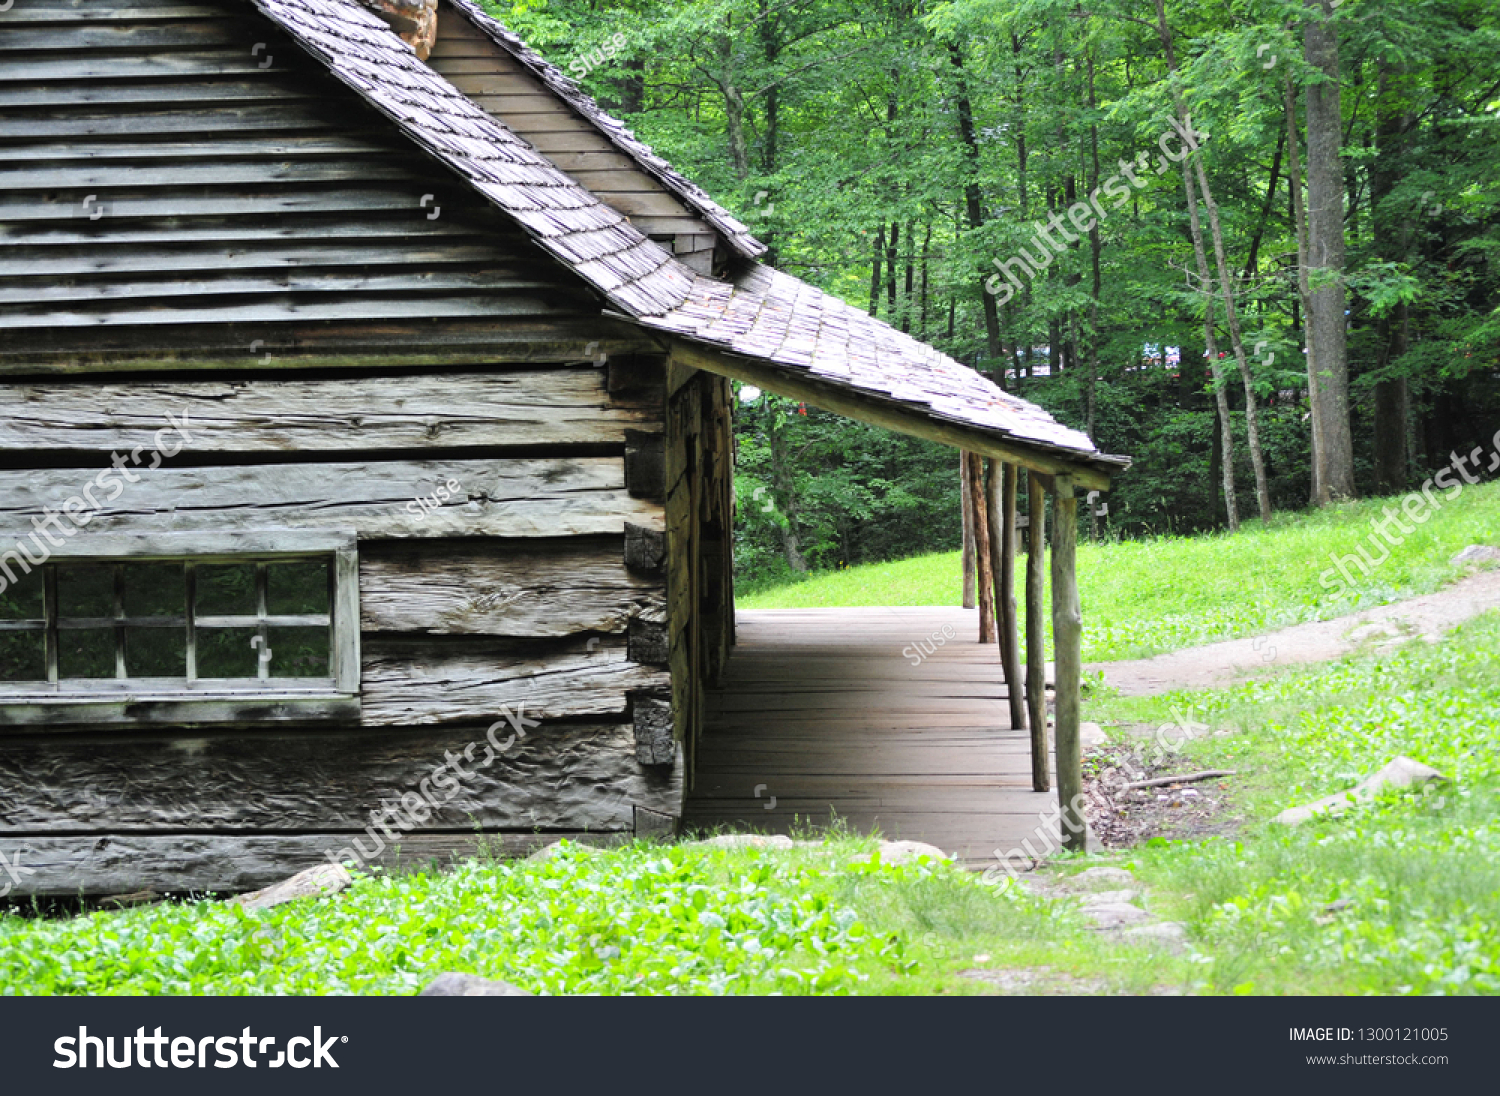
[761, 314]
[732, 231]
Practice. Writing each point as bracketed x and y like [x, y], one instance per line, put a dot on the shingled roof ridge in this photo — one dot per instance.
[735, 233]
[565, 218]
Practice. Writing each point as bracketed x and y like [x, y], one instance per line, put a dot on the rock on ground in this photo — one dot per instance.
[1399, 773]
[315, 882]
[904, 852]
[470, 985]
[748, 841]
[1114, 915]
[1476, 553]
[1168, 935]
[1093, 878]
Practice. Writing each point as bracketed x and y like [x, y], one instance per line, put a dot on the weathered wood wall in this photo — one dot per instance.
[184, 183]
[699, 499]
[258, 221]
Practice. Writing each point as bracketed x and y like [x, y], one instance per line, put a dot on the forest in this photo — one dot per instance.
[1251, 244]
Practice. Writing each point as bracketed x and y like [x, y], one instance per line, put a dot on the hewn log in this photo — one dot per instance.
[409, 682]
[655, 734]
[557, 776]
[499, 498]
[230, 863]
[545, 590]
[378, 414]
[1067, 637]
[1036, 652]
[645, 548]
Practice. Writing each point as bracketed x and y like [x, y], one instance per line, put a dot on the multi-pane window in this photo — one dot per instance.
[205, 623]
[250, 620]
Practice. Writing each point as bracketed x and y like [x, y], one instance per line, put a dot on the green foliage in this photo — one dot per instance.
[1420, 874]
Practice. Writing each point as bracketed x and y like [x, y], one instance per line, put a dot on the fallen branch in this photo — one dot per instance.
[1188, 778]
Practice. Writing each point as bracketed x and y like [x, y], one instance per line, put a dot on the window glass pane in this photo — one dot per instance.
[299, 652]
[22, 597]
[156, 652]
[23, 656]
[226, 589]
[86, 652]
[85, 590]
[155, 590]
[228, 653]
[297, 589]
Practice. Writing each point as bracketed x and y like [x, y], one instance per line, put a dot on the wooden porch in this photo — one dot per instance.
[822, 714]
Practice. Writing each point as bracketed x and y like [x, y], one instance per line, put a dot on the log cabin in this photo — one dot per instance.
[365, 389]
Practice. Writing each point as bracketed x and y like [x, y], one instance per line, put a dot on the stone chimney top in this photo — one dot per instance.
[414, 20]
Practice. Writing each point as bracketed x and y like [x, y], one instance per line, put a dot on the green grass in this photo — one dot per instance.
[645, 919]
[1141, 598]
[1422, 871]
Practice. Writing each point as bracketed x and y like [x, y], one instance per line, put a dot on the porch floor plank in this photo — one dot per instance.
[821, 709]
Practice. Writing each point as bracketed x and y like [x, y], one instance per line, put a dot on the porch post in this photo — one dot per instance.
[1067, 636]
[1002, 506]
[1036, 652]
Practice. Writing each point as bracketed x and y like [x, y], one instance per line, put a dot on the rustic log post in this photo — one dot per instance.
[1010, 645]
[966, 507]
[994, 509]
[1067, 637]
[1036, 650]
[983, 573]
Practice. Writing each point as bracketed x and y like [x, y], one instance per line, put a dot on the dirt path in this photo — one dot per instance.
[1237, 659]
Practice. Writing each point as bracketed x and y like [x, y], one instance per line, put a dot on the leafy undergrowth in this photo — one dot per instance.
[1401, 896]
[1144, 597]
[645, 919]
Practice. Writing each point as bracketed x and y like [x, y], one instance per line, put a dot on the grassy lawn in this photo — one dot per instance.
[1416, 878]
[1141, 598]
[1420, 874]
[685, 919]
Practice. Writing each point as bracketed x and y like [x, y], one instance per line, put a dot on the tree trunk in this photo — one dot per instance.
[1325, 234]
[1304, 287]
[876, 259]
[1194, 165]
[973, 203]
[784, 488]
[1392, 242]
[1211, 342]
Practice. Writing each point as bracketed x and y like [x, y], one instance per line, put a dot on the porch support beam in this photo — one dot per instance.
[1002, 499]
[911, 419]
[1067, 637]
[1036, 651]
